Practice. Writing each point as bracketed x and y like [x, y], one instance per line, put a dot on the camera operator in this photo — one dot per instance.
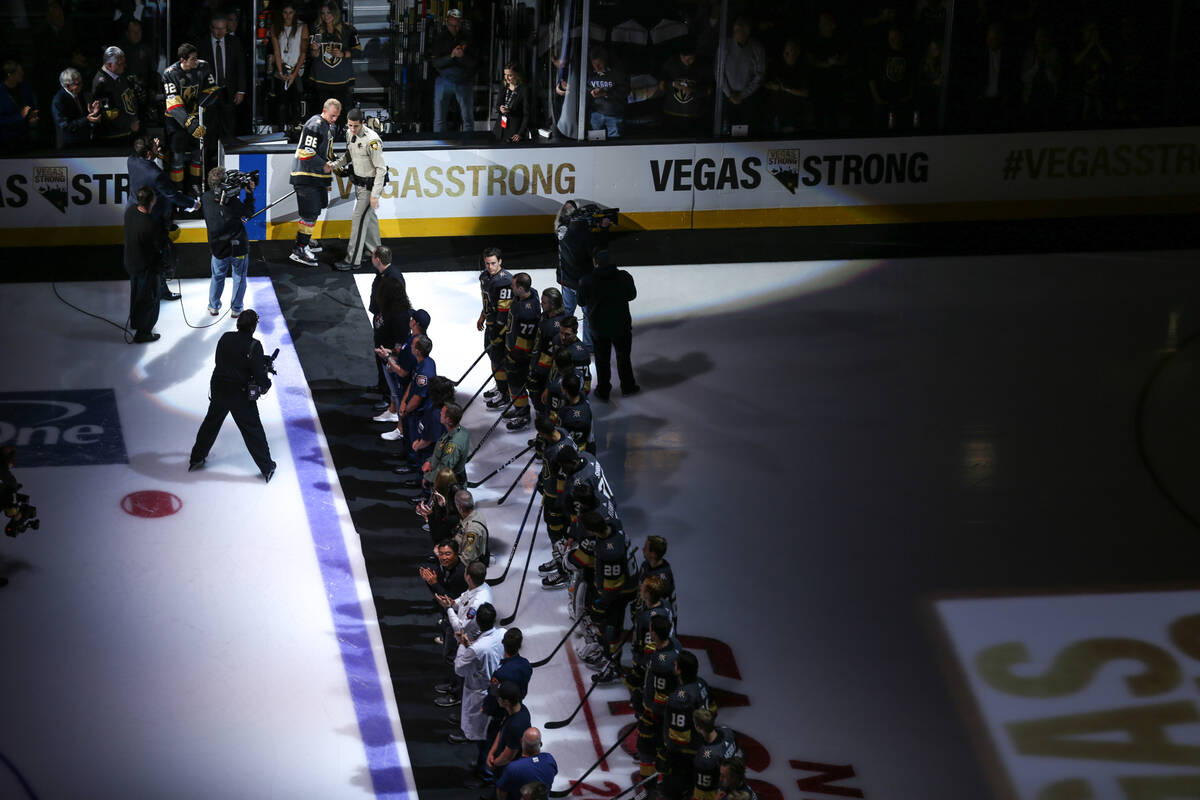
[224, 212]
[238, 380]
[368, 173]
[20, 513]
[578, 235]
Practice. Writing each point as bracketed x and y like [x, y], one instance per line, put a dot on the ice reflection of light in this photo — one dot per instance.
[721, 288]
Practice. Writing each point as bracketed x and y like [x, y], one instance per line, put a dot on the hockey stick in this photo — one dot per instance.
[558, 646]
[591, 769]
[468, 372]
[562, 723]
[652, 776]
[482, 481]
[270, 206]
[513, 552]
[499, 419]
[525, 572]
[500, 502]
[479, 391]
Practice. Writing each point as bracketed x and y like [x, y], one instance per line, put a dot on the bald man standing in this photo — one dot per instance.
[533, 766]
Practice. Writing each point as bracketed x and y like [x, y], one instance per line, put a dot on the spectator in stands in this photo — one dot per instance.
[58, 46]
[891, 84]
[512, 115]
[289, 48]
[76, 116]
[1041, 77]
[607, 94]
[476, 660]
[225, 55]
[120, 111]
[1093, 64]
[459, 611]
[332, 48]
[787, 90]
[453, 56]
[533, 766]
[1132, 76]
[929, 86]
[994, 82]
[828, 54]
[139, 66]
[742, 77]
[18, 109]
[471, 530]
[686, 89]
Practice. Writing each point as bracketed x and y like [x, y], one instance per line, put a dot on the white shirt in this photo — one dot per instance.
[466, 604]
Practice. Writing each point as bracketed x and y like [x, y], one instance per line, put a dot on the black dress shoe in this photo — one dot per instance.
[195, 465]
[172, 296]
[404, 469]
[145, 338]
[415, 483]
[457, 738]
[448, 701]
[602, 394]
[414, 501]
[632, 390]
[444, 688]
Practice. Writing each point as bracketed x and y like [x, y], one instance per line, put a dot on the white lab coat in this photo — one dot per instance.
[475, 665]
[463, 609]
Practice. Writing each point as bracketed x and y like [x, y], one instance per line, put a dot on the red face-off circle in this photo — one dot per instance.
[151, 503]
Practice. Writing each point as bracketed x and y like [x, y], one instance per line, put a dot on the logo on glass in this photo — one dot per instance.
[63, 428]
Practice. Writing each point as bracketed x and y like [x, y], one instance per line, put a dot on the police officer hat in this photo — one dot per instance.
[422, 318]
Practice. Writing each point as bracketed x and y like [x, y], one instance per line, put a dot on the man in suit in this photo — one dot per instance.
[144, 171]
[75, 116]
[225, 56]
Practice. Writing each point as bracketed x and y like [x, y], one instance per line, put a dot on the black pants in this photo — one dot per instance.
[225, 401]
[623, 344]
[143, 302]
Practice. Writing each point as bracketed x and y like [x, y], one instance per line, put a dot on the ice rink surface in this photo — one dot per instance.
[892, 491]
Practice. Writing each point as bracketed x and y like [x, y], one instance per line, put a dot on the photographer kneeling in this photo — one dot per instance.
[224, 211]
[238, 380]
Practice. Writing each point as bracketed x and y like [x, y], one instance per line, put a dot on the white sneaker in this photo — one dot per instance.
[391, 435]
[212, 312]
[386, 416]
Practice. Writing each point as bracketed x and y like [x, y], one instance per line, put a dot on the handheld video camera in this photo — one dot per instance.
[235, 181]
[26, 516]
[253, 390]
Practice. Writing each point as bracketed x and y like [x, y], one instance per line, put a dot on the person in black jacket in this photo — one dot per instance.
[578, 237]
[512, 116]
[606, 294]
[227, 59]
[143, 170]
[143, 245]
[224, 210]
[120, 110]
[240, 363]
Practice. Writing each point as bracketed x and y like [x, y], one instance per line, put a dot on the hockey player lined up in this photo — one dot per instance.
[495, 290]
[311, 175]
[554, 441]
[188, 85]
[649, 606]
[574, 469]
[613, 589]
[521, 331]
[678, 748]
[542, 357]
[581, 360]
[661, 681]
[714, 744]
[575, 415]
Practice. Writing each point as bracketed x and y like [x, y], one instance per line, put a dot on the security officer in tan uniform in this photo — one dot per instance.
[364, 154]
